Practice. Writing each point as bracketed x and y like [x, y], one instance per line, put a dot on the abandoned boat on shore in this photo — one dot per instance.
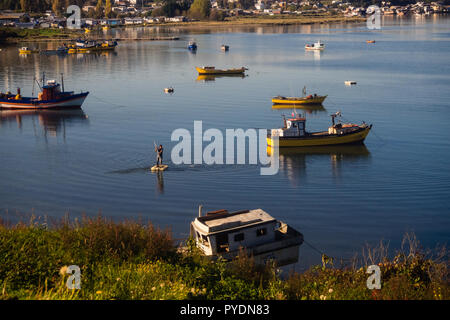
[51, 97]
[213, 70]
[294, 134]
[224, 234]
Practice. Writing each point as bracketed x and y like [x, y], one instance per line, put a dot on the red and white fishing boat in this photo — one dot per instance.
[51, 97]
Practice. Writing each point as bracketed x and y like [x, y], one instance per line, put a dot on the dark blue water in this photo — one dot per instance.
[97, 159]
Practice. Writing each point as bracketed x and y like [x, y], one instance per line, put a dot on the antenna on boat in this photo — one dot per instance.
[32, 90]
[62, 81]
[43, 78]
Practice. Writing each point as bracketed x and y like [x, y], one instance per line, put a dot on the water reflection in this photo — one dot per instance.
[310, 109]
[52, 121]
[315, 53]
[294, 161]
[212, 77]
[159, 182]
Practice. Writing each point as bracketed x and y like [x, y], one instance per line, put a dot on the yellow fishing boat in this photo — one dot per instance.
[294, 134]
[213, 70]
[26, 50]
[311, 99]
[105, 28]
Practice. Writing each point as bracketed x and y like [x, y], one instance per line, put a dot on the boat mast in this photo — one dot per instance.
[62, 82]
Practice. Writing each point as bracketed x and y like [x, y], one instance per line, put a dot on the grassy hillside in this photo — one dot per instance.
[131, 260]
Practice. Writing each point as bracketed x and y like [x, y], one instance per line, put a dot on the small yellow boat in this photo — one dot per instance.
[294, 134]
[26, 50]
[213, 70]
[311, 99]
[105, 28]
[370, 41]
[86, 30]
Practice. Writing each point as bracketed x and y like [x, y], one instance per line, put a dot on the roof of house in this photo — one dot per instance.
[227, 221]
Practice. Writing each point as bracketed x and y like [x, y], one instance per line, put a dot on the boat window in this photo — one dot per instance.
[239, 237]
[205, 240]
[222, 242]
[261, 232]
[294, 124]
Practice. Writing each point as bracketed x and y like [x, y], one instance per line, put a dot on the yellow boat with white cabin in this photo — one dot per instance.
[294, 134]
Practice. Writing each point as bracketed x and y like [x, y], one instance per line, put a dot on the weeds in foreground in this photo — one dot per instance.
[130, 260]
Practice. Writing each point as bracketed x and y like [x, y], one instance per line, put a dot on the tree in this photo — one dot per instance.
[55, 7]
[217, 15]
[108, 9]
[200, 9]
[24, 5]
[99, 9]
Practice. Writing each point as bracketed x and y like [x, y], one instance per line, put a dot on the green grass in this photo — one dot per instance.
[131, 260]
[15, 34]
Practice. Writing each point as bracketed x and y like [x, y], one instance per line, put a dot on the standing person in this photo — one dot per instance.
[159, 154]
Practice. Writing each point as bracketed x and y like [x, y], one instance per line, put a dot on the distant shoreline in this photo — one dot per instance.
[16, 35]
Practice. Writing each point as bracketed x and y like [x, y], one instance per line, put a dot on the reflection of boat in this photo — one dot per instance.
[315, 46]
[50, 97]
[294, 162]
[350, 150]
[294, 133]
[309, 108]
[212, 77]
[50, 120]
[255, 232]
[213, 70]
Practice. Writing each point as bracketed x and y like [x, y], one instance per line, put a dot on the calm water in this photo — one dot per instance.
[97, 159]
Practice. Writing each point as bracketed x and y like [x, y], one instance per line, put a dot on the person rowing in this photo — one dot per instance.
[159, 154]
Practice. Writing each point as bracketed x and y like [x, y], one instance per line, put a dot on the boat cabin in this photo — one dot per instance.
[50, 91]
[223, 233]
[294, 127]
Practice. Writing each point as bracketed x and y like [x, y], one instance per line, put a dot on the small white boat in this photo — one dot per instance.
[315, 46]
[350, 82]
[225, 234]
[168, 90]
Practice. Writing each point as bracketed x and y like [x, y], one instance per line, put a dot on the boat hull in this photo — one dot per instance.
[321, 140]
[202, 71]
[74, 101]
[298, 101]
